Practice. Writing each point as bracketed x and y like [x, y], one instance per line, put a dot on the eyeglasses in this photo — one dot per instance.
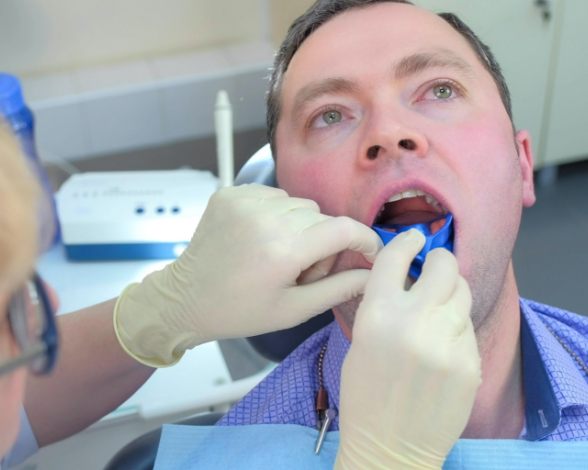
[32, 322]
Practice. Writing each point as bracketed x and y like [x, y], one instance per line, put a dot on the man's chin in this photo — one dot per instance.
[345, 315]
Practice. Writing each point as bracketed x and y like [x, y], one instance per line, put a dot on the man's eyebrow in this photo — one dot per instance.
[407, 66]
[316, 89]
[442, 58]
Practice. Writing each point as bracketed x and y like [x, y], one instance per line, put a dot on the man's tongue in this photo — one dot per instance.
[408, 212]
[411, 218]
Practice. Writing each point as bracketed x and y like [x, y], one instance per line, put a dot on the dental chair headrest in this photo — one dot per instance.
[260, 168]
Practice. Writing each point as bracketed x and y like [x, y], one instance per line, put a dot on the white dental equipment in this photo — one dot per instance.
[132, 214]
[142, 214]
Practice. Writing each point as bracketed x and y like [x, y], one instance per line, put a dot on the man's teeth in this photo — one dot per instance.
[433, 202]
[417, 193]
[406, 194]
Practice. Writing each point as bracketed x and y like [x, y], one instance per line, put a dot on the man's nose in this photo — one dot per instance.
[389, 136]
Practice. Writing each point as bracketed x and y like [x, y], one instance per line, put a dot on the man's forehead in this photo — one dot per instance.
[387, 25]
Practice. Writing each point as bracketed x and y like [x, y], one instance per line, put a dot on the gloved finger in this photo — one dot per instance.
[317, 271]
[469, 350]
[295, 221]
[470, 361]
[463, 302]
[320, 296]
[266, 193]
[237, 196]
[285, 204]
[253, 190]
[274, 217]
[454, 317]
[301, 203]
[438, 278]
[334, 235]
[390, 270]
[272, 206]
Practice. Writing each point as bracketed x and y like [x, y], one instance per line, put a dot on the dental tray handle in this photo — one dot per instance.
[442, 239]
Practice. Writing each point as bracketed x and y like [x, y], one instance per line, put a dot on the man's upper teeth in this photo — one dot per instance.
[416, 193]
[406, 195]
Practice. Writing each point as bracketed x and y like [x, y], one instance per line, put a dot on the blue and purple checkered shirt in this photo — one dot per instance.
[554, 344]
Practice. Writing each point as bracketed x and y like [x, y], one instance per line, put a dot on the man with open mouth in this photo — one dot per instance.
[394, 116]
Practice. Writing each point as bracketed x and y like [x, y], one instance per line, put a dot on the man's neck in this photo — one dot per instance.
[499, 407]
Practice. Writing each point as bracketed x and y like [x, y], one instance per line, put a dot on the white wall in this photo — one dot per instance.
[105, 76]
[282, 13]
[41, 36]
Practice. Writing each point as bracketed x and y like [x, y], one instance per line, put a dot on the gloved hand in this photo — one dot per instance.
[411, 374]
[256, 263]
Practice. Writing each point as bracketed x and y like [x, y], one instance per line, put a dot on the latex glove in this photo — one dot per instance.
[410, 377]
[256, 263]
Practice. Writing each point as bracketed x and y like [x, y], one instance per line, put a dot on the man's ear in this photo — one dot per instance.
[525, 151]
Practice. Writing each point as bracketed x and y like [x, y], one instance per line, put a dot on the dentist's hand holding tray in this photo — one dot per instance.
[259, 261]
[411, 374]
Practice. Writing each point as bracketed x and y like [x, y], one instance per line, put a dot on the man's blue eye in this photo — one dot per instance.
[332, 117]
[443, 92]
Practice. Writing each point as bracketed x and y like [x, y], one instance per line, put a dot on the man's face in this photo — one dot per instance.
[388, 98]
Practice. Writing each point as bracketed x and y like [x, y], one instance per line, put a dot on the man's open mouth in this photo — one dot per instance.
[411, 207]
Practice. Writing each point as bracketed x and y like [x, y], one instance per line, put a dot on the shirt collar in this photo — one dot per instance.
[551, 377]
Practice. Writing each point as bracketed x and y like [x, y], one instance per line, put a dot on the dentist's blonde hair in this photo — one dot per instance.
[19, 209]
